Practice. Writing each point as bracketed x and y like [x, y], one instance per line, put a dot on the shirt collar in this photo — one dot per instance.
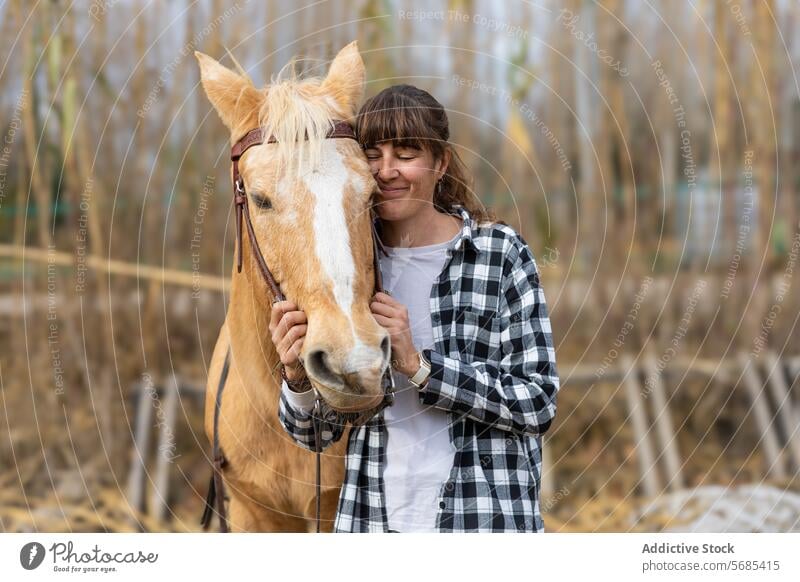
[466, 236]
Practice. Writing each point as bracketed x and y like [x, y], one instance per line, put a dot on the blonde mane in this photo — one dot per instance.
[294, 108]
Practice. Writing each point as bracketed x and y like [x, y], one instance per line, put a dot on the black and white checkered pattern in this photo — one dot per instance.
[492, 369]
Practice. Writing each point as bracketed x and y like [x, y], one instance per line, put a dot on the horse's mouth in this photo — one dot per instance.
[367, 404]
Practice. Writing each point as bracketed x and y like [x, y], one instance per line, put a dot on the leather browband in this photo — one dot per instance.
[256, 137]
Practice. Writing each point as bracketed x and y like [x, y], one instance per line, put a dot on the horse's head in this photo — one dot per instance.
[310, 201]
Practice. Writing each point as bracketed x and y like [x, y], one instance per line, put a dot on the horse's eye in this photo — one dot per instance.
[261, 201]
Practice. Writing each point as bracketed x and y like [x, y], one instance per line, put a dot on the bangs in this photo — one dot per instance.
[394, 117]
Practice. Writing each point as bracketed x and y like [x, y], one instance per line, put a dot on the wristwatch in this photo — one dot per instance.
[423, 372]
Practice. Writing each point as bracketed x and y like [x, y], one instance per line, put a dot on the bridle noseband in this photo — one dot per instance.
[216, 488]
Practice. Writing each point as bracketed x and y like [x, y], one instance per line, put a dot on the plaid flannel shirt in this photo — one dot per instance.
[492, 369]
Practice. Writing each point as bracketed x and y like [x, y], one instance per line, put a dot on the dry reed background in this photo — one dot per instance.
[648, 151]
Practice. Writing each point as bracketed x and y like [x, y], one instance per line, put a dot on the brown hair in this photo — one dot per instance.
[411, 116]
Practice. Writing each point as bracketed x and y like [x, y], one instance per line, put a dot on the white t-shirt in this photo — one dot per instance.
[419, 454]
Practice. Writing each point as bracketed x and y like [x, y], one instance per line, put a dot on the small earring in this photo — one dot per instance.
[439, 186]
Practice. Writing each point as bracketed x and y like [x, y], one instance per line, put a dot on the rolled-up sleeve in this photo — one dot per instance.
[518, 393]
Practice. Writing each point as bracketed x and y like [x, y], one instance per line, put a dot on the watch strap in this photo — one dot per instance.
[423, 372]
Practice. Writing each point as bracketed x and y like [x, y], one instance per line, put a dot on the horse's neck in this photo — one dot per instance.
[251, 343]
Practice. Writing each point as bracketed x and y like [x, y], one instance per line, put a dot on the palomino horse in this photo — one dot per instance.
[309, 200]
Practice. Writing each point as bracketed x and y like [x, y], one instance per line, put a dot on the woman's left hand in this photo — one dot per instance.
[393, 316]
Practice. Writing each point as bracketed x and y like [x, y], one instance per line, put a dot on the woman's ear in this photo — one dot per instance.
[443, 162]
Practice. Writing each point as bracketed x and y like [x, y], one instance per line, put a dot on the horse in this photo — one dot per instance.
[310, 200]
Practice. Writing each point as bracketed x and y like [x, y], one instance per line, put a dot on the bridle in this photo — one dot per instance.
[216, 487]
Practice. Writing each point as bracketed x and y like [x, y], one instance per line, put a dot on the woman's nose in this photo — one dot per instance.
[386, 170]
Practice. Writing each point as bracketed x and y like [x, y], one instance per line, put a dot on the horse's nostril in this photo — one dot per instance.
[317, 366]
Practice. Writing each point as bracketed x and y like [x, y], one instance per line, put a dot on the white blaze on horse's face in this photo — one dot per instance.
[331, 237]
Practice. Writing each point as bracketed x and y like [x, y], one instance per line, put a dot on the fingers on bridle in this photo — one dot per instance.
[287, 340]
[384, 309]
[385, 322]
[287, 321]
[294, 350]
[297, 347]
[279, 309]
[297, 331]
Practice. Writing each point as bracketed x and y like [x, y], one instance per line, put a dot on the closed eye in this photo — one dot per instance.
[261, 201]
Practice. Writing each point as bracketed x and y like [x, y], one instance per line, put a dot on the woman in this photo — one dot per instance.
[473, 357]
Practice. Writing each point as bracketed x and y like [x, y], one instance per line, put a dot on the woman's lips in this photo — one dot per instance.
[393, 192]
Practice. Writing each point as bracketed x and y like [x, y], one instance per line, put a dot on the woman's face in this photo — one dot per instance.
[406, 178]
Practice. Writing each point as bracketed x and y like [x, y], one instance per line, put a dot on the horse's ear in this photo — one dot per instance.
[232, 95]
[345, 80]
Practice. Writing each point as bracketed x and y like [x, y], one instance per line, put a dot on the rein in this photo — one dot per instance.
[216, 486]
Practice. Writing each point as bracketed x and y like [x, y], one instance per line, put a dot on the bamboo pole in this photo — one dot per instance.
[664, 427]
[141, 446]
[786, 410]
[160, 492]
[769, 438]
[762, 82]
[638, 415]
[722, 145]
[121, 268]
[68, 116]
[36, 163]
[19, 218]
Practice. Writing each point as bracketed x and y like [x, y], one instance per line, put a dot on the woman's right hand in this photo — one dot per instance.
[288, 327]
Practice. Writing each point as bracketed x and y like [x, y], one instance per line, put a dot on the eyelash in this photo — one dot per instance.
[374, 158]
[261, 201]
